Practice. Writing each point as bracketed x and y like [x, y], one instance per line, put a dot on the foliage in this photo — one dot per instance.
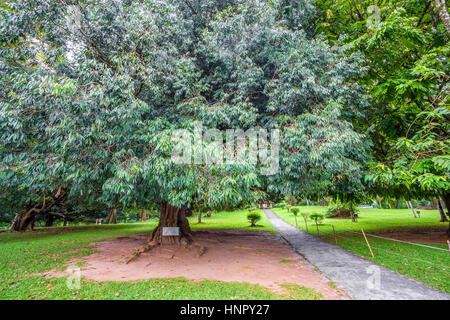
[317, 217]
[339, 209]
[93, 106]
[406, 55]
[253, 217]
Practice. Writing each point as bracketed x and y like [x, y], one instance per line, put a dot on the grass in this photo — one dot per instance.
[285, 260]
[23, 257]
[231, 220]
[423, 264]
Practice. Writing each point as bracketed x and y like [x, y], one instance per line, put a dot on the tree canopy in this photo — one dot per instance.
[93, 94]
[92, 106]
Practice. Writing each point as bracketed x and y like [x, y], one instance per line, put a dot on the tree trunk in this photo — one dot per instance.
[189, 212]
[446, 198]
[49, 220]
[379, 202]
[144, 215]
[171, 216]
[433, 204]
[24, 221]
[441, 212]
[443, 14]
[112, 216]
[199, 217]
[352, 213]
[410, 206]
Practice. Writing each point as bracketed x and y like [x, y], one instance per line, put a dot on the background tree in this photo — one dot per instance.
[405, 53]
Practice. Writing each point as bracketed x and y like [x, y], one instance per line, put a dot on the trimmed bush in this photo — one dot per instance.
[295, 212]
[317, 217]
[253, 217]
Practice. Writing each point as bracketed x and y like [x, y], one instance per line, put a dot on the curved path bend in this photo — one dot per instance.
[361, 279]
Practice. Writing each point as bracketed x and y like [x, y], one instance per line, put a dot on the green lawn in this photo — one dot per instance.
[423, 264]
[231, 220]
[24, 256]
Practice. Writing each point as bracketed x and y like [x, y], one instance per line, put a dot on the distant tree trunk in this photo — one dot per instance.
[199, 217]
[443, 14]
[49, 220]
[446, 198]
[441, 212]
[112, 216]
[24, 221]
[433, 203]
[352, 213]
[189, 212]
[379, 202]
[410, 206]
[144, 215]
[396, 204]
[307, 202]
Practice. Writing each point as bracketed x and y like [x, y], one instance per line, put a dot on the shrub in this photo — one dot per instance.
[317, 217]
[288, 207]
[253, 217]
[295, 211]
[338, 209]
[305, 215]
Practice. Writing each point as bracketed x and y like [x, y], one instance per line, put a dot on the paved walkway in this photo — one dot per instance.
[360, 278]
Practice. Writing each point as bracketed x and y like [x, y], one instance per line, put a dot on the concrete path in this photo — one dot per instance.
[360, 278]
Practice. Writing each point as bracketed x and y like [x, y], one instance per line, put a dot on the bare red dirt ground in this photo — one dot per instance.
[242, 256]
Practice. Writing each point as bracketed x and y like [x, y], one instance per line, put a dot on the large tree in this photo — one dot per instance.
[405, 46]
[92, 107]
